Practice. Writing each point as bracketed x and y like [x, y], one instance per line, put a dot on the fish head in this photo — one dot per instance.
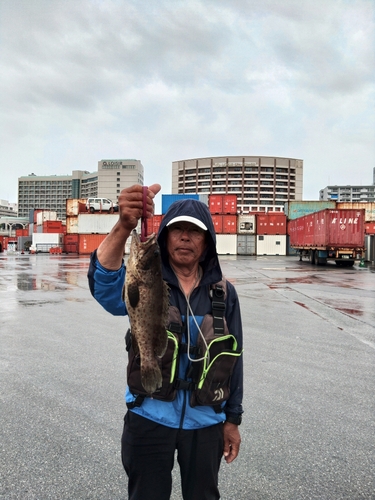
[144, 255]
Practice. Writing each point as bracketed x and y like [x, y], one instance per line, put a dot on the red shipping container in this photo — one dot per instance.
[229, 224]
[328, 228]
[70, 243]
[229, 204]
[52, 227]
[274, 223]
[36, 211]
[370, 227]
[87, 243]
[217, 221]
[215, 203]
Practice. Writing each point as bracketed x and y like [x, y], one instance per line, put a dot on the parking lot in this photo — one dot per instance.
[308, 430]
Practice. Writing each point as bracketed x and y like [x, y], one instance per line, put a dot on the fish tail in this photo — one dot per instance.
[151, 376]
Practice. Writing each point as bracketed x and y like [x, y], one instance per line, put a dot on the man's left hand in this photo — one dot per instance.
[232, 441]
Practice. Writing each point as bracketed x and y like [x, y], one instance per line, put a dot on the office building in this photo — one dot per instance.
[256, 180]
[115, 175]
[50, 192]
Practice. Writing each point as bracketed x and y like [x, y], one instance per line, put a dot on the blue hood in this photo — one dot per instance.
[210, 260]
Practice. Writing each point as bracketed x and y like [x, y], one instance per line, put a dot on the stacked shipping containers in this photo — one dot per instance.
[223, 210]
[84, 230]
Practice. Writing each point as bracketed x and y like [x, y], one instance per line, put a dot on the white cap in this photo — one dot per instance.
[187, 218]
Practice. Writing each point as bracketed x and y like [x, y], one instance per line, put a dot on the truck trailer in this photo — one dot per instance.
[329, 235]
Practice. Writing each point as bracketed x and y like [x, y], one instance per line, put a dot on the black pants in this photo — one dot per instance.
[148, 452]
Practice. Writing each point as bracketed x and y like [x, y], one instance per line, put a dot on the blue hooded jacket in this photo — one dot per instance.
[106, 287]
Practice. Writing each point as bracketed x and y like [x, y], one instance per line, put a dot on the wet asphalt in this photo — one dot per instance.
[309, 425]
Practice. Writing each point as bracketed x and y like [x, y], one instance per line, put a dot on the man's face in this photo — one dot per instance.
[186, 243]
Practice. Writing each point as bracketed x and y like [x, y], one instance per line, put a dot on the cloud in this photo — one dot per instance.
[84, 80]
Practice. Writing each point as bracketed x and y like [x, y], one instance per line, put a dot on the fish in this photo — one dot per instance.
[147, 301]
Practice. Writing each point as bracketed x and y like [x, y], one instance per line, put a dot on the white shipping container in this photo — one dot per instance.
[246, 224]
[47, 239]
[95, 223]
[45, 215]
[226, 244]
[270, 244]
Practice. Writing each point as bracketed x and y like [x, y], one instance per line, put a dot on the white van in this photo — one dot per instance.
[101, 204]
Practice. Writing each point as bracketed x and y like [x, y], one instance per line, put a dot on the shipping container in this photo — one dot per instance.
[168, 199]
[273, 223]
[246, 244]
[270, 244]
[35, 214]
[75, 206]
[329, 234]
[368, 207]
[246, 224]
[42, 242]
[3, 243]
[217, 221]
[72, 224]
[226, 244]
[22, 232]
[295, 209]
[52, 226]
[70, 243]
[153, 224]
[229, 224]
[369, 227]
[230, 204]
[95, 223]
[215, 203]
[87, 243]
[45, 215]
[203, 197]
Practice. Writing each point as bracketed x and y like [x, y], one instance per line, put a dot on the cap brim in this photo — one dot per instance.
[187, 218]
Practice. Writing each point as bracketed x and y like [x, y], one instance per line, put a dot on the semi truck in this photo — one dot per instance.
[336, 235]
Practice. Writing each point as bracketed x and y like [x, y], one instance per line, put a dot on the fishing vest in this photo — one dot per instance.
[207, 380]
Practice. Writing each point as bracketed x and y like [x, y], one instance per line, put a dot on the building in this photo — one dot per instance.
[50, 192]
[255, 180]
[8, 209]
[355, 193]
[115, 175]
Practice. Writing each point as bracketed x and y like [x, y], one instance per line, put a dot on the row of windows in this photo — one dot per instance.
[284, 170]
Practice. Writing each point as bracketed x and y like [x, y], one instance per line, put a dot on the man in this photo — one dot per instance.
[200, 420]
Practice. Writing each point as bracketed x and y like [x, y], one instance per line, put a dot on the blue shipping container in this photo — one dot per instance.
[295, 209]
[168, 199]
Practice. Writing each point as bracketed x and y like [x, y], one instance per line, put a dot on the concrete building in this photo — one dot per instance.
[354, 193]
[50, 192]
[115, 175]
[8, 209]
[256, 180]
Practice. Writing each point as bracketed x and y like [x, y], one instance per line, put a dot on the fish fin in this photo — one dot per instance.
[160, 343]
[133, 294]
[151, 377]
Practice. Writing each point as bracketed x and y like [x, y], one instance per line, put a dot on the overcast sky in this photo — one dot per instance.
[165, 80]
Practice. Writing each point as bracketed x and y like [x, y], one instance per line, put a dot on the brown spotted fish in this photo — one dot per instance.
[147, 301]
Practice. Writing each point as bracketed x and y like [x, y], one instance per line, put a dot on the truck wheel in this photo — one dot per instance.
[92, 210]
